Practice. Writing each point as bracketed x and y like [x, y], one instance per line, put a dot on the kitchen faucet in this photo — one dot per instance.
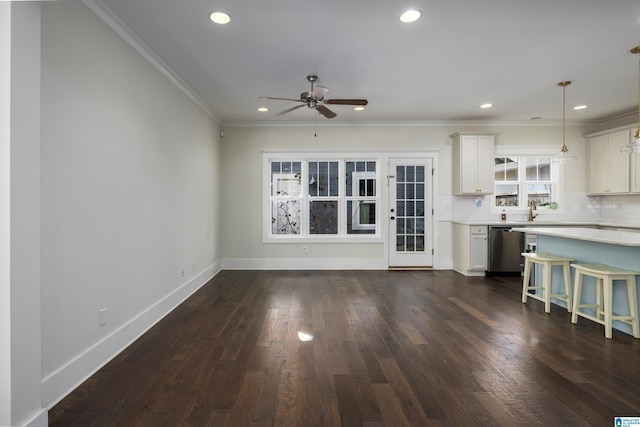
[532, 207]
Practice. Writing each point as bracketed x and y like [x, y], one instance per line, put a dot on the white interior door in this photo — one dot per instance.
[410, 213]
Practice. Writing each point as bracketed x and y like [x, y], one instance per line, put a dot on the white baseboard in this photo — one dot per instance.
[304, 264]
[41, 419]
[63, 381]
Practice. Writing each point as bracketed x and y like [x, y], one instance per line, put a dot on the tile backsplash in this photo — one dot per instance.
[623, 210]
[620, 209]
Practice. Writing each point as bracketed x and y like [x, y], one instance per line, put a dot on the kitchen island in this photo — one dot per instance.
[588, 245]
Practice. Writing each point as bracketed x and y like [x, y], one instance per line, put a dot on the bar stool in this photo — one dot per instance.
[605, 275]
[546, 261]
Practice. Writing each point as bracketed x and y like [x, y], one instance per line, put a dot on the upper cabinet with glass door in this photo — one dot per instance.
[472, 163]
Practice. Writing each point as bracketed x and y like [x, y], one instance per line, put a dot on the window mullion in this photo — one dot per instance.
[305, 198]
[342, 198]
[522, 182]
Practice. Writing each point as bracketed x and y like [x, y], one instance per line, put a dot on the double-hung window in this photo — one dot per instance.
[286, 197]
[360, 181]
[522, 179]
[321, 196]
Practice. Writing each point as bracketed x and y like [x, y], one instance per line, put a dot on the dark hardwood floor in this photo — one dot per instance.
[389, 348]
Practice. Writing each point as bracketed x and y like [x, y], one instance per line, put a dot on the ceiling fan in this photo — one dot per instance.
[315, 99]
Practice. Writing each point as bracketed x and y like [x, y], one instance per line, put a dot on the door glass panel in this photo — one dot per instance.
[410, 230]
[410, 216]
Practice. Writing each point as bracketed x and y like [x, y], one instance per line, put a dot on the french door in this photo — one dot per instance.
[410, 213]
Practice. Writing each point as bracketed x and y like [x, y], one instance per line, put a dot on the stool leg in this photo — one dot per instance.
[577, 290]
[601, 308]
[525, 279]
[608, 306]
[633, 305]
[546, 286]
[567, 284]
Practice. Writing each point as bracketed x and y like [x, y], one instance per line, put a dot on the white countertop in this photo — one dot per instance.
[530, 223]
[623, 238]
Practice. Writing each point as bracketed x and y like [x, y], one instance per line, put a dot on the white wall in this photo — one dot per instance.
[242, 170]
[20, 285]
[130, 195]
[5, 220]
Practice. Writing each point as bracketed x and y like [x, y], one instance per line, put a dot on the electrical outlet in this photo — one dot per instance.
[304, 250]
[102, 317]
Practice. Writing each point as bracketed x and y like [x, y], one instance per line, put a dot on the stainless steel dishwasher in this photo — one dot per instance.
[505, 247]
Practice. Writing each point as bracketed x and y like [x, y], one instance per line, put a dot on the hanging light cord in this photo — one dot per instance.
[564, 85]
[637, 50]
[564, 116]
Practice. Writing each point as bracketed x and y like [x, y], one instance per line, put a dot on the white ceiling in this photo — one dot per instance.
[460, 54]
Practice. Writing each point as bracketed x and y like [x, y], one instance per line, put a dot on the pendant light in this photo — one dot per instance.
[634, 145]
[564, 156]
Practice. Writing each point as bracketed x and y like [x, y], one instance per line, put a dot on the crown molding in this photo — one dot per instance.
[444, 123]
[108, 17]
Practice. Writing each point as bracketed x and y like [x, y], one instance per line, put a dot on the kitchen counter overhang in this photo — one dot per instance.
[614, 237]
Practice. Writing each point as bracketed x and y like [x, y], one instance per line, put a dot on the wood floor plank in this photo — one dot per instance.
[387, 348]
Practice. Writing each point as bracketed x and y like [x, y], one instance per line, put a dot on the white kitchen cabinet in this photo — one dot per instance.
[607, 170]
[473, 163]
[470, 248]
[478, 248]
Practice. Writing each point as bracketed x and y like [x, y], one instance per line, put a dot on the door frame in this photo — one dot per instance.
[431, 154]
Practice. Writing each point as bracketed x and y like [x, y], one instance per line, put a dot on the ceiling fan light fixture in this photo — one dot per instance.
[564, 156]
[263, 109]
[359, 108]
[486, 105]
[221, 18]
[579, 107]
[315, 99]
[634, 145]
[410, 15]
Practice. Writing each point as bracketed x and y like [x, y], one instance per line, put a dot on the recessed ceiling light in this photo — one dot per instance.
[263, 109]
[579, 107]
[358, 108]
[220, 18]
[411, 15]
[487, 105]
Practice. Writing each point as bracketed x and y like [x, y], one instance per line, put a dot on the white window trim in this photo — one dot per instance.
[357, 176]
[557, 171]
[304, 157]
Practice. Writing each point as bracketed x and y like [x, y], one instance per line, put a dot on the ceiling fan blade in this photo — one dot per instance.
[319, 92]
[281, 99]
[288, 110]
[346, 101]
[325, 111]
